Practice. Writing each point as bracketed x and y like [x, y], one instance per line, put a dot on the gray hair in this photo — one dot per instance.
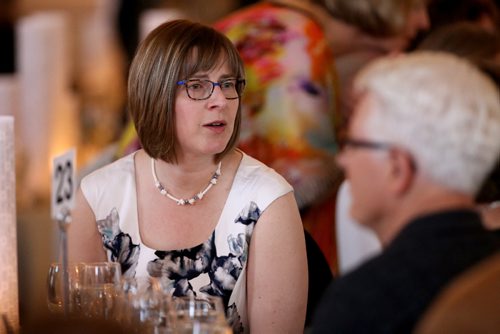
[441, 109]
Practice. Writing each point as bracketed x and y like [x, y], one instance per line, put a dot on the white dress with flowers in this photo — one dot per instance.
[216, 267]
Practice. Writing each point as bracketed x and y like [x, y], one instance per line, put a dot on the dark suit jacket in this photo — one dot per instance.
[389, 293]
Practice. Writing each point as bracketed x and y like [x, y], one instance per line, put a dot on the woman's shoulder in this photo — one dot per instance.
[256, 172]
[110, 184]
[119, 167]
[118, 172]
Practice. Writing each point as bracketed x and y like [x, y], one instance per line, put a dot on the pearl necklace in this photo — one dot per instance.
[181, 201]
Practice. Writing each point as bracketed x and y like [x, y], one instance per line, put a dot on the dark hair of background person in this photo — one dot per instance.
[468, 40]
[482, 48]
[442, 12]
[7, 37]
[446, 12]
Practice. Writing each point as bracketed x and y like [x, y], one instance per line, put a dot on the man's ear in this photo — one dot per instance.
[402, 170]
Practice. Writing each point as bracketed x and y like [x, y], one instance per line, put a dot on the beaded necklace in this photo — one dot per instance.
[182, 201]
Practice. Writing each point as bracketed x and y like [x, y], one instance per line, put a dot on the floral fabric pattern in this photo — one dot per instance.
[119, 245]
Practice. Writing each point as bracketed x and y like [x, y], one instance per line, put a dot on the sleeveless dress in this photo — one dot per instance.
[216, 267]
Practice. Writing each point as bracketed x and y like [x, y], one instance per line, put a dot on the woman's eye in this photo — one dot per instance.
[195, 86]
[227, 84]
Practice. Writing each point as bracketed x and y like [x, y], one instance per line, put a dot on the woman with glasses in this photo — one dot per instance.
[189, 207]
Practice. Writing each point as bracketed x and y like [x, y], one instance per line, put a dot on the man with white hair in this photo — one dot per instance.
[423, 136]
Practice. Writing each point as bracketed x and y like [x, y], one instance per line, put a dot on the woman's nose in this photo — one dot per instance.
[217, 95]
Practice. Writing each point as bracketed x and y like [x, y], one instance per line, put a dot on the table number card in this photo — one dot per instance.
[63, 183]
[63, 199]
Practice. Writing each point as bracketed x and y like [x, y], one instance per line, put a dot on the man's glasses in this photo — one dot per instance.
[351, 143]
[365, 144]
[198, 89]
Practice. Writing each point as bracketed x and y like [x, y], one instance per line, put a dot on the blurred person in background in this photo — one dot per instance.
[422, 139]
[485, 14]
[481, 47]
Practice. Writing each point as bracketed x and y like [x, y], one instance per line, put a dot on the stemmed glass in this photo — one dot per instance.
[55, 288]
[100, 283]
[144, 305]
[200, 315]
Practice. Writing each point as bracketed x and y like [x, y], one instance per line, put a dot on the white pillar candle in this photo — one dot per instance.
[48, 119]
[9, 100]
[9, 302]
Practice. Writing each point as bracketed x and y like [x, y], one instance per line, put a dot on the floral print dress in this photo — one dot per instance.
[216, 267]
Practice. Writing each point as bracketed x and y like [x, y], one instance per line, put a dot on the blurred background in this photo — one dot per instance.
[63, 67]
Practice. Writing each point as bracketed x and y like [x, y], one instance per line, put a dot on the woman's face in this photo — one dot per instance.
[204, 127]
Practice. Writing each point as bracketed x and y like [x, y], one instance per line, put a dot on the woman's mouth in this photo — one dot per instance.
[216, 126]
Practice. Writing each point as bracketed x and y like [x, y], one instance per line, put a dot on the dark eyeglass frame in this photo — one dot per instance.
[364, 144]
[239, 82]
[373, 145]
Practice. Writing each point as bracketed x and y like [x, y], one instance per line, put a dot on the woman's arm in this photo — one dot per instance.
[277, 270]
[84, 240]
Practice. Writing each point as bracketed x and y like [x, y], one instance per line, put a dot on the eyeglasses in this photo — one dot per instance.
[366, 144]
[198, 89]
[373, 145]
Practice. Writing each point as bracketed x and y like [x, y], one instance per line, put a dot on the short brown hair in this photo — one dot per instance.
[174, 51]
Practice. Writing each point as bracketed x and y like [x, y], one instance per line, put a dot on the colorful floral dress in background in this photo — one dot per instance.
[290, 107]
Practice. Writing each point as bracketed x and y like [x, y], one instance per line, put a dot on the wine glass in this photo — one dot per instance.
[100, 283]
[201, 315]
[55, 287]
[144, 304]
